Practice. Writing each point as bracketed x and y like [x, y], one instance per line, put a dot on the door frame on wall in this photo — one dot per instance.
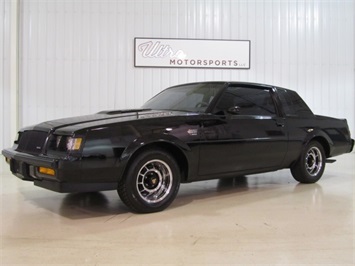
[14, 66]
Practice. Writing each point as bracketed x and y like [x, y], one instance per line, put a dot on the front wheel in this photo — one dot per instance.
[151, 182]
[310, 166]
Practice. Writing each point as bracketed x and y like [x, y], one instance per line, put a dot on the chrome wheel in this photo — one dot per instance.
[151, 181]
[310, 166]
[314, 161]
[154, 181]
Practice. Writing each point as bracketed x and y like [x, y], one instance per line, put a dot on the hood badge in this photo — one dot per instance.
[192, 132]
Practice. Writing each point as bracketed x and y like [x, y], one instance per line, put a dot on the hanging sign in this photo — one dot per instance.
[192, 53]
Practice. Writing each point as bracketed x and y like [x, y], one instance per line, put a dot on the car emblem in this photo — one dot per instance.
[192, 132]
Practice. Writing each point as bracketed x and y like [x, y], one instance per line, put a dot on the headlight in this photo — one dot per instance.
[65, 143]
[74, 144]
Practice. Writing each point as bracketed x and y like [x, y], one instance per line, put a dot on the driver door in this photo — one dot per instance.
[248, 136]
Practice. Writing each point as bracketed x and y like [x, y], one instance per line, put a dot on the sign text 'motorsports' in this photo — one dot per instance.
[192, 53]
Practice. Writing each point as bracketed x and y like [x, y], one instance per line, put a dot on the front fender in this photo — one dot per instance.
[146, 141]
[154, 138]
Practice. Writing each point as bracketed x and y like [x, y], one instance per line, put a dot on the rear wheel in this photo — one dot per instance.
[310, 166]
[151, 182]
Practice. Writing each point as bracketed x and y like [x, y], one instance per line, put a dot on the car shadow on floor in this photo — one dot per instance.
[240, 189]
[78, 205]
[92, 204]
[245, 190]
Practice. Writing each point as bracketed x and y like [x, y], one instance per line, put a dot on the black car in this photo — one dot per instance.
[186, 133]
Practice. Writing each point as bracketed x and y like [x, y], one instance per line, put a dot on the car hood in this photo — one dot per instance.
[69, 125]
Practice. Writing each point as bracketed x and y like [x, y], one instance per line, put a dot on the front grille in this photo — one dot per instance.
[32, 141]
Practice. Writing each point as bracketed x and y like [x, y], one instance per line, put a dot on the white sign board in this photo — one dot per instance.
[192, 53]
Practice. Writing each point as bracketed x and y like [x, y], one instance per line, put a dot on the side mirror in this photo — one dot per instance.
[234, 110]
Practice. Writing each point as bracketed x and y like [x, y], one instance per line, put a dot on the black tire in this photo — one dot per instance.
[151, 182]
[310, 166]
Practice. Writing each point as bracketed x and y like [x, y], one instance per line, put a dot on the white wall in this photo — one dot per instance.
[76, 57]
[5, 91]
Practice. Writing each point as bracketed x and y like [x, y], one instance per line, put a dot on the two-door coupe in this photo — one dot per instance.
[186, 133]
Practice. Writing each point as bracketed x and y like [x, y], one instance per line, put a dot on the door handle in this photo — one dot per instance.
[280, 123]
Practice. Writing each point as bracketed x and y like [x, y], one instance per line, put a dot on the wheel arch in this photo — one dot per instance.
[174, 150]
[323, 141]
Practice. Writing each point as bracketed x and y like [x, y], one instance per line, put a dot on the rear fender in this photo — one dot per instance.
[322, 138]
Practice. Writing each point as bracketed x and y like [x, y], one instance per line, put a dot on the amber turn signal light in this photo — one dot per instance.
[46, 171]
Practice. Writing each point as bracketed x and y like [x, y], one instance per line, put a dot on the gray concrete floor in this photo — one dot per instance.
[260, 219]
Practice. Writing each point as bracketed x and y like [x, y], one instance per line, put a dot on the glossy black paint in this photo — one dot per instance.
[206, 145]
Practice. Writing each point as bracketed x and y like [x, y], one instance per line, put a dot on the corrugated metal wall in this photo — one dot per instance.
[77, 56]
[5, 73]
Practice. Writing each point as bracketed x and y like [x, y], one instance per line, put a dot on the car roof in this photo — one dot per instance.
[261, 85]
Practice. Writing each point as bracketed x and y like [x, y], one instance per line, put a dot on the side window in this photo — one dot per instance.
[248, 101]
[292, 104]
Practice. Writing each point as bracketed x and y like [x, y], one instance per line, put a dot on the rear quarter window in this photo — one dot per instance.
[292, 104]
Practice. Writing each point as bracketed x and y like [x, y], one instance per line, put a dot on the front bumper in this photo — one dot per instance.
[23, 165]
[67, 176]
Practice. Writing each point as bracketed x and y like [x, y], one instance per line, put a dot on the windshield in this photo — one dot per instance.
[190, 97]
